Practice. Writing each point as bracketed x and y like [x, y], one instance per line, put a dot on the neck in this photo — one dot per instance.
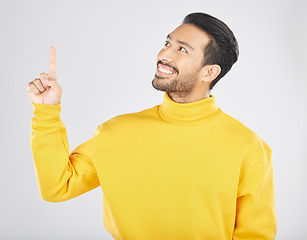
[188, 114]
[183, 97]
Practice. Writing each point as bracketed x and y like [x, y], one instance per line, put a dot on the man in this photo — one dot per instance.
[180, 170]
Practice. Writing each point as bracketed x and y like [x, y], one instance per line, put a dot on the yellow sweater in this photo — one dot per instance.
[173, 172]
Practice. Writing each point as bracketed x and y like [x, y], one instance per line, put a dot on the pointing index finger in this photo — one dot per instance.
[52, 63]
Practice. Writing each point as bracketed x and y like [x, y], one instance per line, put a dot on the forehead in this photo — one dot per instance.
[192, 35]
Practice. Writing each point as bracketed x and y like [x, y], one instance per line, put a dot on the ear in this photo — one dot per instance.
[210, 72]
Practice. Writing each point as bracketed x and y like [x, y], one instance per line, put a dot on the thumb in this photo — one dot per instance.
[51, 78]
[53, 84]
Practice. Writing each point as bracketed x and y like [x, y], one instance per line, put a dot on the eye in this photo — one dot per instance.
[167, 44]
[182, 49]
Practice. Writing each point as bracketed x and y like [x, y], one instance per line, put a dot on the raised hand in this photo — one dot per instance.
[45, 89]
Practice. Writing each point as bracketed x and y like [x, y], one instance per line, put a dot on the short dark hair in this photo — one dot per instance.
[223, 48]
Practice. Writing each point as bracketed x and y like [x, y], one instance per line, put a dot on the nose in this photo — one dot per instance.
[165, 55]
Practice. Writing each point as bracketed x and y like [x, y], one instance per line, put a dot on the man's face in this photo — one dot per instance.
[180, 61]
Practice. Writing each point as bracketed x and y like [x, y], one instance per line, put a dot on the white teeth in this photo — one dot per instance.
[165, 70]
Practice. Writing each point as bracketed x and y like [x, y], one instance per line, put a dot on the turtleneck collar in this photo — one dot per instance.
[189, 114]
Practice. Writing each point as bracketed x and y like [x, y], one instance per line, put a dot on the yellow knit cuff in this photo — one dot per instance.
[46, 112]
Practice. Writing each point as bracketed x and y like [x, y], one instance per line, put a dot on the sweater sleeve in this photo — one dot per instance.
[256, 217]
[60, 175]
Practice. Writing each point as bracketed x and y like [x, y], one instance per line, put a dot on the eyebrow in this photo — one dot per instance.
[180, 42]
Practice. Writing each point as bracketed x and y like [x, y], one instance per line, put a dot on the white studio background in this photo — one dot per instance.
[106, 54]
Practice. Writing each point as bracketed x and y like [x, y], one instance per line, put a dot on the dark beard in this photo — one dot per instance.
[170, 87]
[174, 85]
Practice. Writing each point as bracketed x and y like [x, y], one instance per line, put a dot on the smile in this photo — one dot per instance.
[163, 70]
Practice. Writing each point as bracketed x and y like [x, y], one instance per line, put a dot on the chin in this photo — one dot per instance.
[162, 85]
[156, 85]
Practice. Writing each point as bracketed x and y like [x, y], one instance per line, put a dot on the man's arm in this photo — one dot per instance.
[256, 217]
[60, 175]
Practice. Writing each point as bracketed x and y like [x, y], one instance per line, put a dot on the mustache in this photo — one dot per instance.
[169, 65]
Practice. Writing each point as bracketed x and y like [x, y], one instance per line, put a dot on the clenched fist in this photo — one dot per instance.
[45, 89]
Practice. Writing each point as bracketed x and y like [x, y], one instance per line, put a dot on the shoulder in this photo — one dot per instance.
[131, 119]
[242, 134]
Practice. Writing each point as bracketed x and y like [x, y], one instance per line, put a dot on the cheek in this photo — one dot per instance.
[194, 64]
[186, 65]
